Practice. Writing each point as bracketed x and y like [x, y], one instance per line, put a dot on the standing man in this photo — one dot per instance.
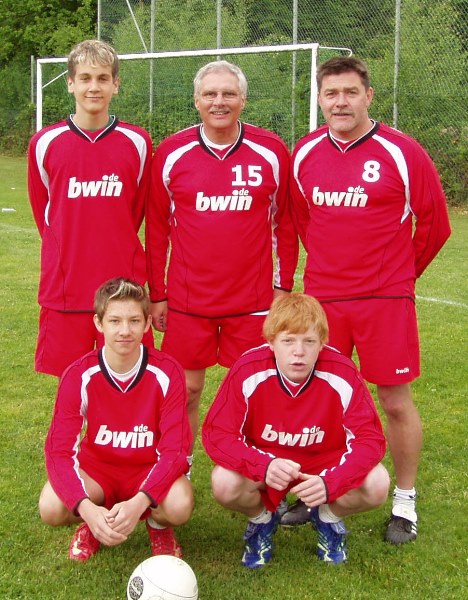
[88, 178]
[219, 195]
[295, 416]
[359, 186]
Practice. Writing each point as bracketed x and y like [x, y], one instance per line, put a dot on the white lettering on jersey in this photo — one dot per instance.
[238, 200]
[309, 436]
[371, 171]
[402, 371]
[108, 186]
[138, 438]
[355, 196]
[254, 176]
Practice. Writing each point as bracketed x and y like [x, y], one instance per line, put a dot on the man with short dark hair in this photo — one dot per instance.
[358, 189]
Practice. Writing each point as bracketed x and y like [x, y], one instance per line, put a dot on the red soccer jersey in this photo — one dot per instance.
[145, 426]
[87, 193]
[354, 210]
[330, 427]
[224, 217]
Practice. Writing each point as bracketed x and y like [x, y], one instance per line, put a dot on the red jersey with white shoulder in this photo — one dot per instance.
[144, 426]
[330, 426]
[224, 217]
[355, 207]
[87, 192]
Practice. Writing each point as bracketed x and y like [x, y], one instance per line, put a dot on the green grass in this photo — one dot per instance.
[33, 557]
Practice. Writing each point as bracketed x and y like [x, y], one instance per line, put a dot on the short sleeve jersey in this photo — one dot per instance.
[87, 192]
[224, 216]
[355, 207]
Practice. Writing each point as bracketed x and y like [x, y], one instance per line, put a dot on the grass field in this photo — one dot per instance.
[33, 557]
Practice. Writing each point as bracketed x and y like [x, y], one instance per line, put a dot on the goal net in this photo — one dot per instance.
[156, 89]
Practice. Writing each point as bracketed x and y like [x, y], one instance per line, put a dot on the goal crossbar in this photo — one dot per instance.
[312, 47]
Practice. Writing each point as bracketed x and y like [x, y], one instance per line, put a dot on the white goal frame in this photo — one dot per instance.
[216, 52]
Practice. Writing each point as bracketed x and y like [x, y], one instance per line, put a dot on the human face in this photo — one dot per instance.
[123, 326]
[344, 102]
[220, 103]
[296, 353]
[93, 88]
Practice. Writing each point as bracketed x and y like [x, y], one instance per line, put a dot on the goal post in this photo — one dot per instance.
[282, 91]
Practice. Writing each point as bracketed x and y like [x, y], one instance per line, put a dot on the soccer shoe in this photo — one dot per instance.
[402, 526]
[259, 543]
[83, 544]
[331, 547]
[297, 514]
[282, 507]
[163, 541]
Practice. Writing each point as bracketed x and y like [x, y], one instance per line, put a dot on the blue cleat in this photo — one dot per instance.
[259, 543]
[331, 545]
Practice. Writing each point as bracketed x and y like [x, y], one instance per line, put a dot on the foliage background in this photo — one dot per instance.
[428, 99]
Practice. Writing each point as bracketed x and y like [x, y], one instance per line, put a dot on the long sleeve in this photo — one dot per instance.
[37, 191]
[285, 240]
[223, 437]
[432, 227]
[63, 441]
[158, 229]
[365, 443]
[175, 436]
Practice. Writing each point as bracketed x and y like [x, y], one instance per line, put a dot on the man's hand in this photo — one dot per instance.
[280, 473]
[312, 490]
[159, 315]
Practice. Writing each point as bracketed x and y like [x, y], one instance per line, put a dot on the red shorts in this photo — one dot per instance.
[117, 482]
[384, 332]
[198, 342]
[65, 337]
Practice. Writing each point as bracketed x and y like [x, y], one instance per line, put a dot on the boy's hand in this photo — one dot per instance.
[312, 490]
[124, 516]
[96, 518]
[280, 473]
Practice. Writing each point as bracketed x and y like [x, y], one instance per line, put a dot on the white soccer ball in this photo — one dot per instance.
[162, 577]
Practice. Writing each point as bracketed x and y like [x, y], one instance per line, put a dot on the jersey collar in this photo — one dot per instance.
[93, 137]
[354, 143]
[205, 142]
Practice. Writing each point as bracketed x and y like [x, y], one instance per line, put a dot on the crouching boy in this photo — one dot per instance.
[295, 416]
[130, 403]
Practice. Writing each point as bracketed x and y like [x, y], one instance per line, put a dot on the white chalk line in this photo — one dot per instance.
[16, 228]
[442, 301]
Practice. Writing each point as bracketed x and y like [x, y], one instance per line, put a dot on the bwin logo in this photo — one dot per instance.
[353, 197]
[108, 186]
[309, 436]
[140, 437]
[402, 371]
[239, 200]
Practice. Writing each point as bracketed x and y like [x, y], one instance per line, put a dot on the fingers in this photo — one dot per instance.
[281, 472]
[311, 490]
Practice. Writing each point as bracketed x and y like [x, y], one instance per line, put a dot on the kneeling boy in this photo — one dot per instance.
[295, 416]
[131, 462]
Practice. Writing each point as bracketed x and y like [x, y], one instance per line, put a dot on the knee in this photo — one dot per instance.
[195, 381]
[377, 486]
[52, 514]
[396, 400]
[225, 485]
[178, 507]
[51, 509]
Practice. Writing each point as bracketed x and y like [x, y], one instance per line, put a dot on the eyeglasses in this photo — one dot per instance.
[211, 95]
